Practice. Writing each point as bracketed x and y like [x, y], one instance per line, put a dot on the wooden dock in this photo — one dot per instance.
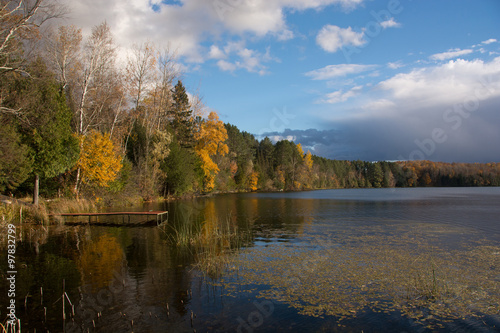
[158, 215]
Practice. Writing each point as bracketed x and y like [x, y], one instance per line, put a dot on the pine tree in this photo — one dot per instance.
[180, 115]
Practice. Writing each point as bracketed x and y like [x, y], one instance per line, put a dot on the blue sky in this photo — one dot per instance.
[349, 79]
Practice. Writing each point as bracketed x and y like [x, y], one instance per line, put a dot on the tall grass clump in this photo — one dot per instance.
[210, 242]
[20, 213]
[62, 206]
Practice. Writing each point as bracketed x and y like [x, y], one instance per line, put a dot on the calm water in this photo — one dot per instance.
[371, 260]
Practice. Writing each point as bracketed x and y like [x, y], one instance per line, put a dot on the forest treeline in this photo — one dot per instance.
[75, 121]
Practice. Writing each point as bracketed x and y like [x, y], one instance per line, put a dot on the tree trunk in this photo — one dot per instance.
[36, 190]
[77, 182]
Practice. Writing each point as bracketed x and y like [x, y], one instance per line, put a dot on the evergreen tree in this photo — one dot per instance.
[137, 144]
[181, 116]
[15, 163]
[181, 167]
[376, 174]
[47, 129]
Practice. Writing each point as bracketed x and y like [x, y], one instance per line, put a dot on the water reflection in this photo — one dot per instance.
[98, 259]
[308, 254]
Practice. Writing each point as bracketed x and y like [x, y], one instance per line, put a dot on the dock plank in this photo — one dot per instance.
[158, 215]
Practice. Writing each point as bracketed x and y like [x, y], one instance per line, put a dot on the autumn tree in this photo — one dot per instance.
[64, 54]
[99, 162]
[243, 149]
[97, 61]
[305, 172]
[308, 161]
[210, 140]
[140, 73]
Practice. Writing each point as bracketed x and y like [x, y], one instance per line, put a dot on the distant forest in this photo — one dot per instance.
[76, 122]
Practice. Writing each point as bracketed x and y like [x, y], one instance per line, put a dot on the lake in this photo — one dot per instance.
[351, 260]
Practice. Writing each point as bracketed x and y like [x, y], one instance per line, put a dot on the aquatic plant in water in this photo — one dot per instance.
[349, 271]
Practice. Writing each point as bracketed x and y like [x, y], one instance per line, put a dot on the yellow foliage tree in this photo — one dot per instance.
[210, 140]
[301, 151]
[99, 163]
[253, 180]
[308, 161]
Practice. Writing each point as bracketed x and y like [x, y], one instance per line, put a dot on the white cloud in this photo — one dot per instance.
[277, 138]
[186, 24]
[332, 71]
[450, 54]
[340, 96]
[489, 41]
[285, 35]
[379, 104]
[226, 66]
[390, 24]
[446, 84]
[262, 17]
[243, 58]
[216, 53]
[331, 38]
[395, 65]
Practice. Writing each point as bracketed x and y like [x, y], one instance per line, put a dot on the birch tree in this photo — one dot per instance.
[64, 53]
[140, 72]
[98, 60]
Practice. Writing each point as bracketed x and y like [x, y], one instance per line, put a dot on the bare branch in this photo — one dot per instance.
[20, 21]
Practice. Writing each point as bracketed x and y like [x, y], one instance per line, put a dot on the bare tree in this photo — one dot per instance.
[98, 60]
[168, 71]
[64, 53]
[20, 21]
[141, 72]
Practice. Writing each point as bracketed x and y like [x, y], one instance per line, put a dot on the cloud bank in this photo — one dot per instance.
[448, 112]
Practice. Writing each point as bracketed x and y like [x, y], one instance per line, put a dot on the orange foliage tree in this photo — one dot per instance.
[253, 181]
[210, 140]
[99, 163]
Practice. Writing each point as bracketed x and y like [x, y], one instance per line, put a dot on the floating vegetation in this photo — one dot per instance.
[402, 268]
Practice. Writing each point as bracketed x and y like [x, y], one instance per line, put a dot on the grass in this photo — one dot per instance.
[211, 241]
[60, 206]
[17, 212]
